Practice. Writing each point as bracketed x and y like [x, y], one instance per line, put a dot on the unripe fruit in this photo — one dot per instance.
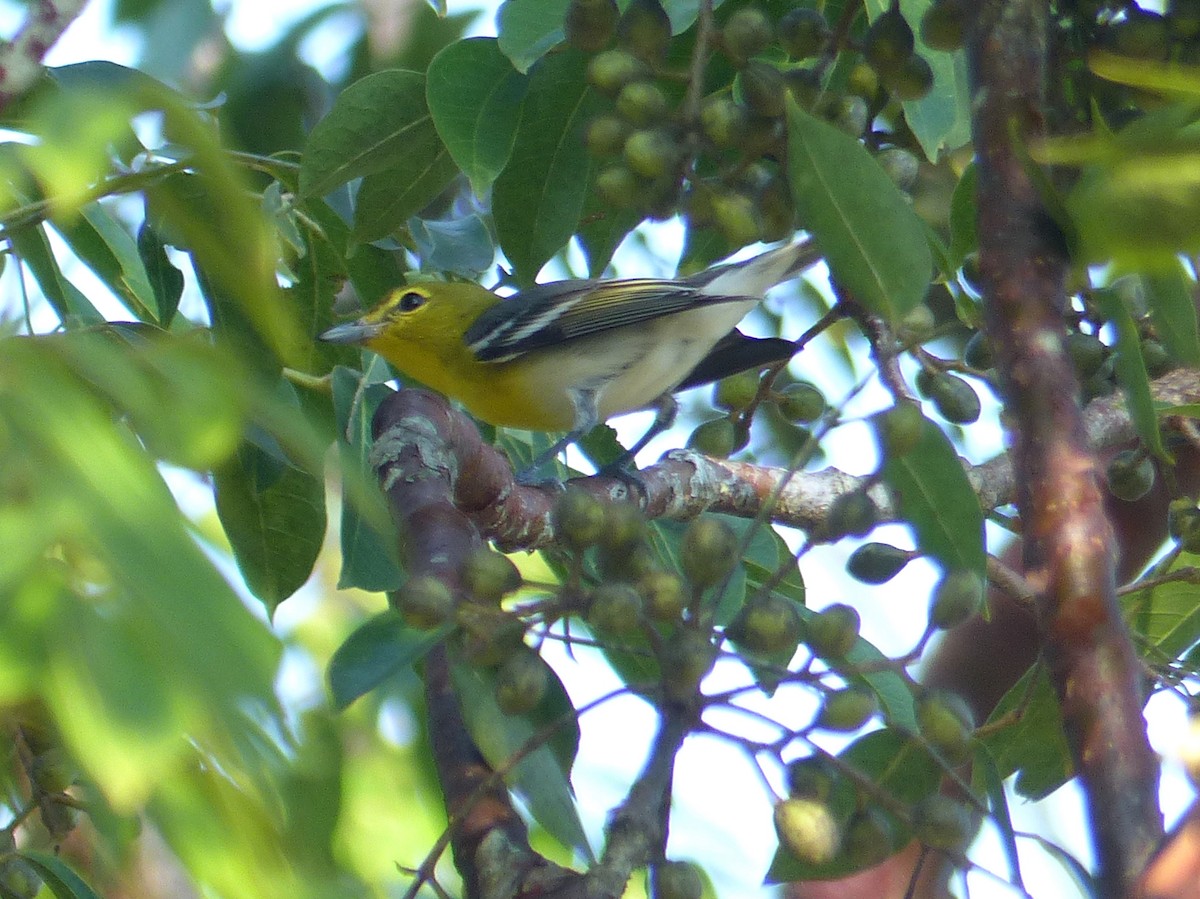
[645, 30]
[899, 429]
[624, 527]
[589, 24]
[717, 438]
[869, 838]
[487, 576]
[944, 24]
[978, 352]
[912, 81]
[736, 392]
[737, 218]
[804, 85]
[1141, 34]
[51, 771]
[947, 723]
[425, 602]
[803, 32]
[851, 115]
[747, 32]
[677, 880]
[902, 166]
[762, 88]
[832, 633]
[942, 823]
[1156, 358]
[852, 514]
[521, 682]
[1087, 353]
[808, 829]
[1131, 475]
[811, 777]
[606, 135]
[619, 187]
[19, 878]
[611, 70]
[663, 595]
[685, 660]
[889, 42]
[800, 403]
[863, 81]
[489, 636]
[708, 552]
[957, 597]
[651, 153]
[955, 399]
[578, 519]
[722, 120]
[768, 624]
[876, 563]
[642, 103]
[848, 709]
[615, 609]
[1183, 523]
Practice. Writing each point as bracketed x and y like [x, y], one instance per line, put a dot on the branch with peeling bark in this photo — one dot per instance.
[21, 58]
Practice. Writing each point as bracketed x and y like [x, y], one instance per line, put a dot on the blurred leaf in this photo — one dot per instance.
[111, 252]
[462, 245]
[379, 649]
[1131, 371]
[538, 198]
[370, 558]
[1169, 78]
[1034, 745]
[166, 281]
[984, 769]
[1170, 294]
[274, 515]
[871, 237]
[386, 201]
[541, 777]
[602, 229]
[475, 99]
[963, 238]
[933, 495]
[32, 247]
[59, 879]
[528, 30]
[1166, 617]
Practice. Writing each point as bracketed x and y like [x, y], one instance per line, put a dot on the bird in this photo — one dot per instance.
[565, 356]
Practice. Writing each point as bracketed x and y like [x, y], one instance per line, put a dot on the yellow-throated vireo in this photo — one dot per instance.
[567, 355]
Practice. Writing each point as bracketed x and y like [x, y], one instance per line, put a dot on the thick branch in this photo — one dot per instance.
[1069, 548]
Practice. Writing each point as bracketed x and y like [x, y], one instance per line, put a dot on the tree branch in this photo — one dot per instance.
[1069, 547]
[21, 58]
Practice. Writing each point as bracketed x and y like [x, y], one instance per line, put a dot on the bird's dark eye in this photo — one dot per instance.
[410, 301]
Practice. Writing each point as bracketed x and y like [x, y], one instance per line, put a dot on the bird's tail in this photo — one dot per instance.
[755, 276]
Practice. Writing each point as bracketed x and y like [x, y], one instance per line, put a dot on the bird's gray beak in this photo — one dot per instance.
[351, 332]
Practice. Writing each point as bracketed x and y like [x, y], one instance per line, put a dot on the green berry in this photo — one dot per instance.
[521, 682]
[889, 42]
[651, 153]
[811, 777]
[708, 552]
[848, 709]
[489, 635]
[943, 26]
[619, 187]
[899, 429]
[1142, 34]
[957, 597]
[1156, 358]
[487, 576]
[606, 135]
[677, 880]
[763, 88]
[869, 838]
[850, 114]
[947, 723]
[624, 527]
[1131, 475]
[902, 166]
[912, 81]
[877, 563]
[767, 624]
[852, 514]
[611, 70]
[801, 403]
[808, 829]
[664, 595]
[804, 85]
[645, 30]
[589, 24]
[722, 120]
[642, 103]
[918, 323]
[955, 399]
[978, 352]
[425, 602]
[685, 660]
[803, 32]
[737, 218]
[1183, 523]
[1087, 353]
[578, 519]
[716, 438]
[942, 823]
[615, 609]
[736, 392]
[832, 632]
[747, 32]
[863, 81]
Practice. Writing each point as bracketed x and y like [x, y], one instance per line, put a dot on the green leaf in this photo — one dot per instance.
[111, 252]
[1131, 371]
[1173, 310]
[166, 281]
[32, 247]
[933, 495]
[873, 240]
[540, 777]
[370, 129]
[1167, 616]
[1034, 746]
[386, 201]
[963, 211]
[462, 245]
[370, 557]
[475, 98]
[528, 30]
[59, 879]
[538, 198]
[274, 516]
[992, 785]
[378, 649]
